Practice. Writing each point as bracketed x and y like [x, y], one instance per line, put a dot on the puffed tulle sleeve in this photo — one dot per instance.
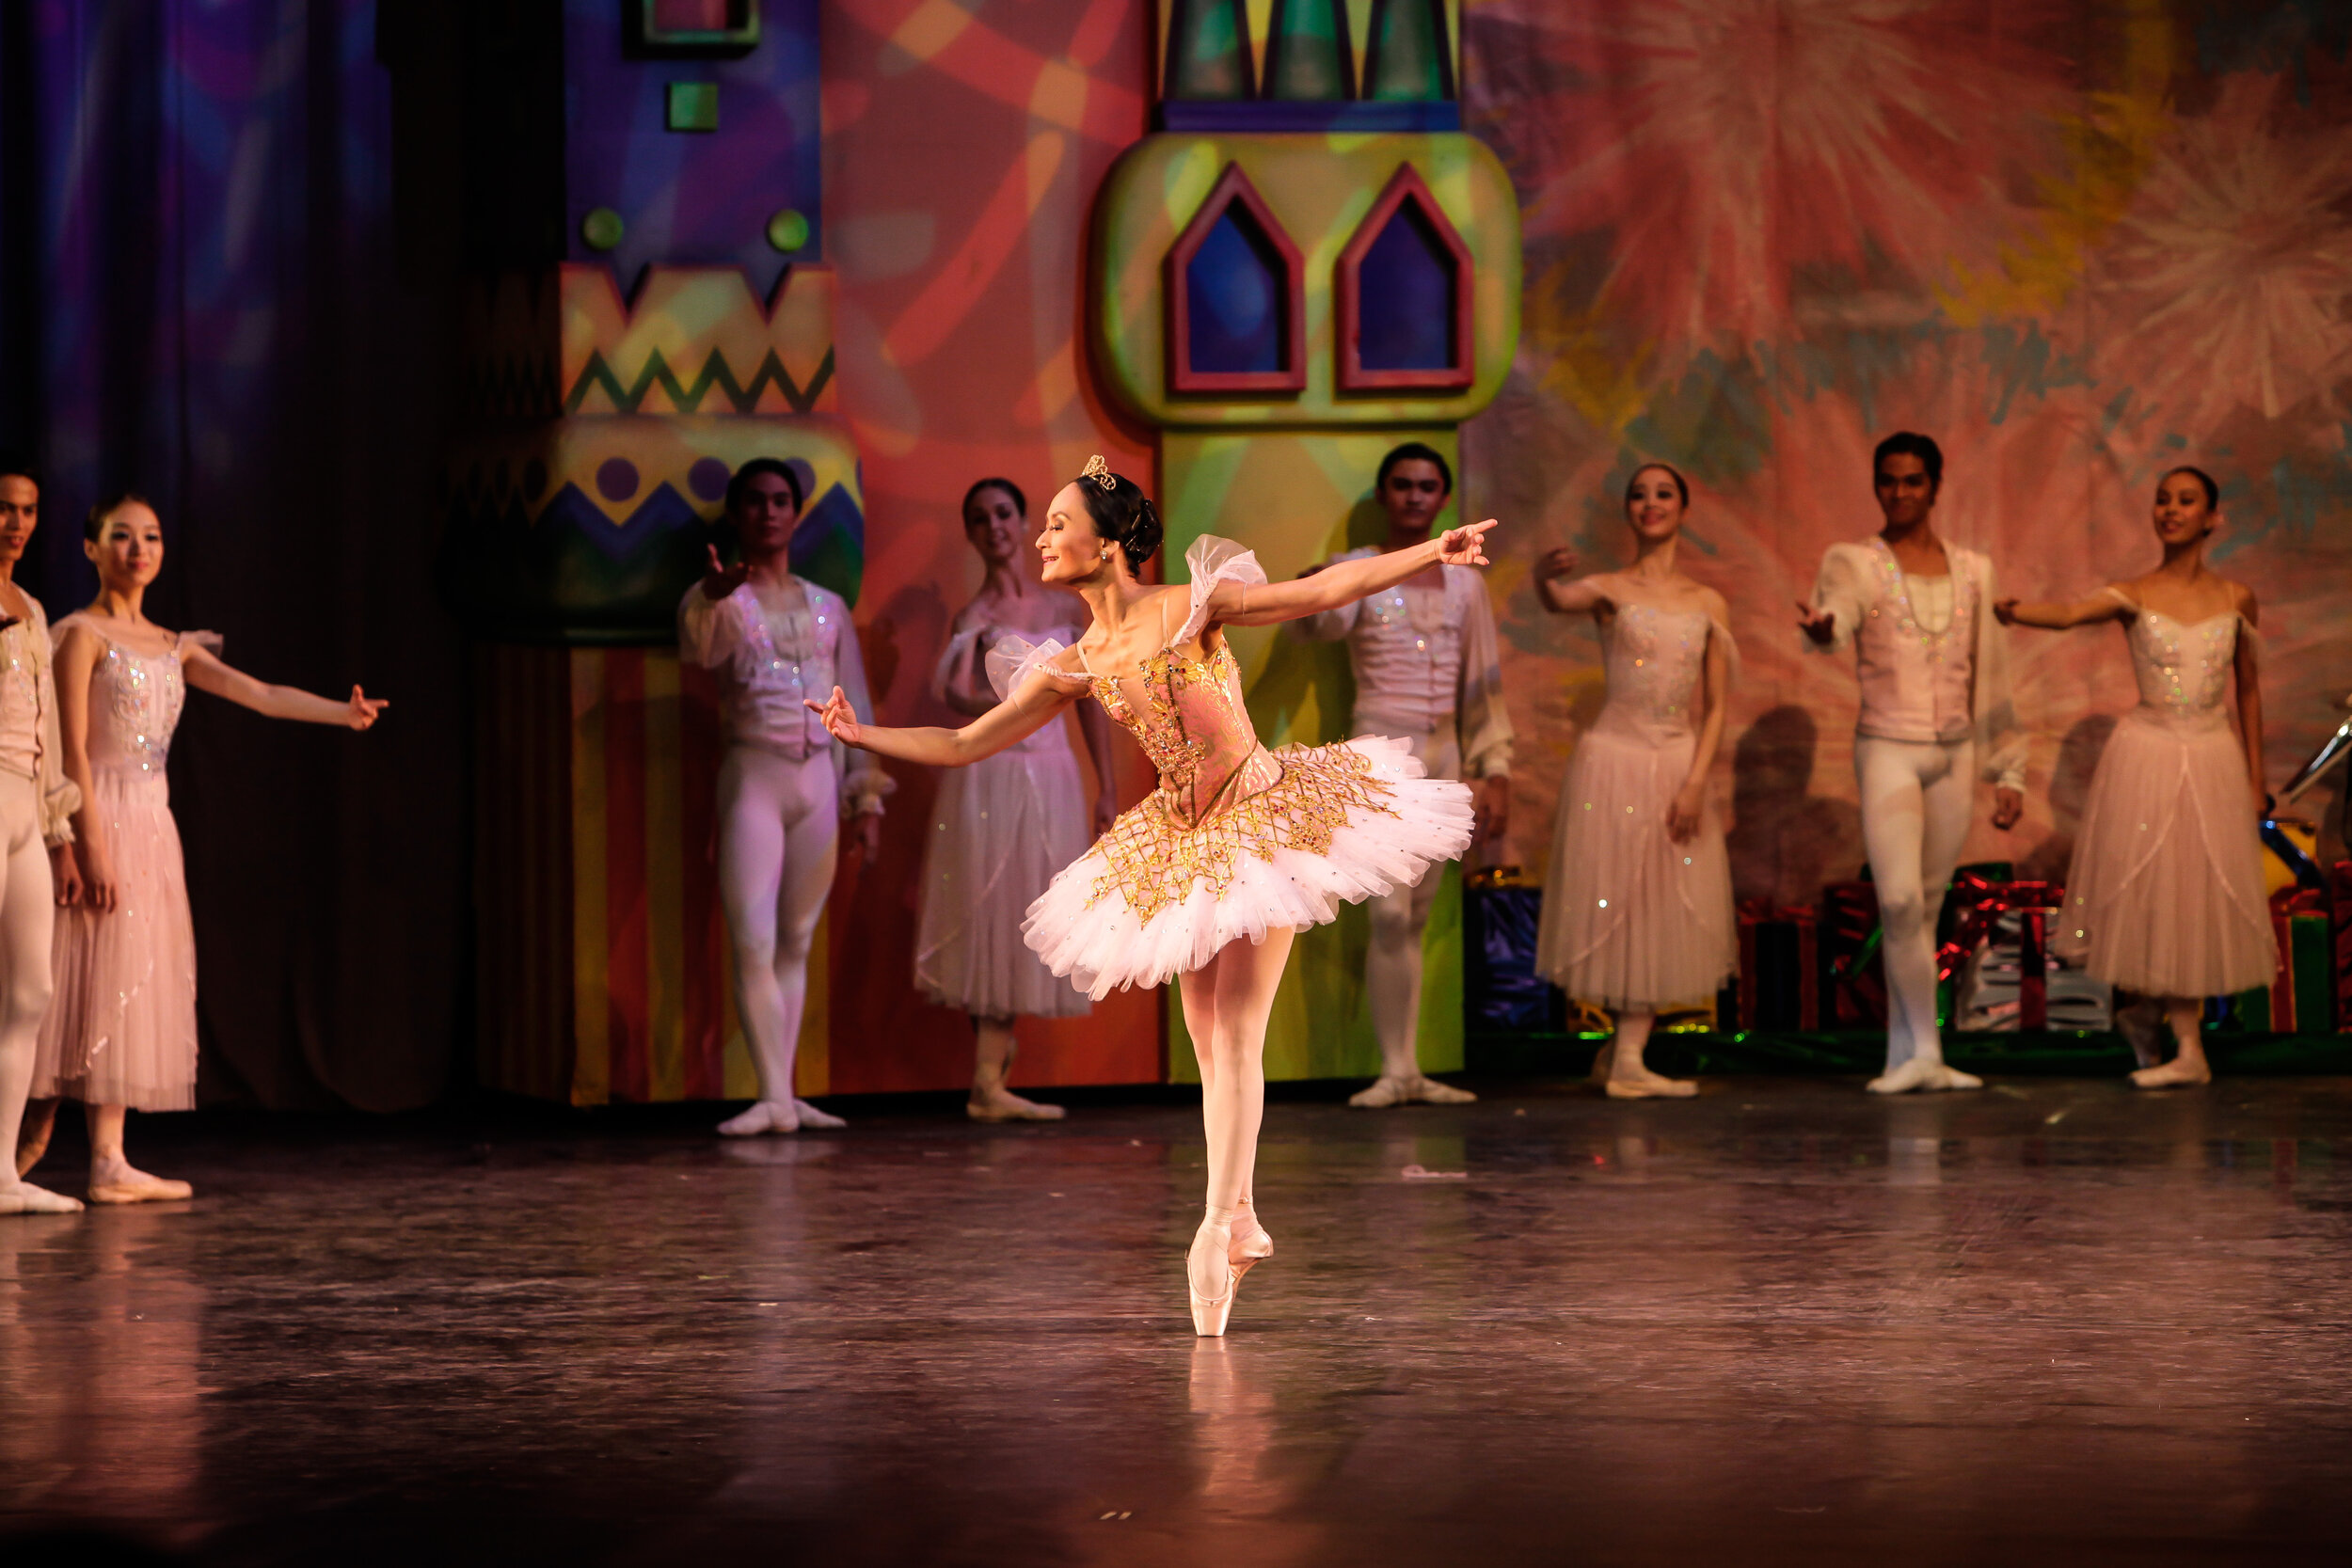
[1213, 562]
[1014, 659]
[210, 641]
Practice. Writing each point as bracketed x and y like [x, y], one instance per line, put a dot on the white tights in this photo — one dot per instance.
[1399, 918]
[779, 832]
[28, 919]
[1917, 796]
[1227, 1002]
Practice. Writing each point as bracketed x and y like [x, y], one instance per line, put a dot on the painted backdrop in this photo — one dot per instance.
[2076, 243]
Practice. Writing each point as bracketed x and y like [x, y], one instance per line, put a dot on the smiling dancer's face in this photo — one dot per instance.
[1069, 549]
[1654, 504]
[20, 511]
[993, 524]
[2183, 515]
[1906, 494]
[129, 548]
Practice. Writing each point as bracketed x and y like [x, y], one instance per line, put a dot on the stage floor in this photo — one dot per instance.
[2053, 1321]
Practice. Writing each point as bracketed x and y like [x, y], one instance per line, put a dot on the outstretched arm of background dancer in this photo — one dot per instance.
[206, 672]
[1562, 591]
[1038, 703]
[2247, 669]
[2059, 617]
[1690, 801]
[1263, 604]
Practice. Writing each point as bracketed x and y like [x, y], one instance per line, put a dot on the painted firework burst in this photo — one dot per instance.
[2229, 283]
[1728, 147]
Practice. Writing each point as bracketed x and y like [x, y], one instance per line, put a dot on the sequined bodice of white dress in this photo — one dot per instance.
[2183, 669]
[136, 700]
[1655, 659]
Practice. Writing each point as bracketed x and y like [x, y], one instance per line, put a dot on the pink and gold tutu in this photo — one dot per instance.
[1238, 840]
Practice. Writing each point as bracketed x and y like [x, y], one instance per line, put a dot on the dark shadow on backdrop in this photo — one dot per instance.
[1785, 842]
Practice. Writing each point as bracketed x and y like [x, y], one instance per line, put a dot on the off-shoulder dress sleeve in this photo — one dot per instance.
[1214, 562]
[1016, 658]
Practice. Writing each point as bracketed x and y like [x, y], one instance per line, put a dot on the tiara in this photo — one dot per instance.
[1100, 471]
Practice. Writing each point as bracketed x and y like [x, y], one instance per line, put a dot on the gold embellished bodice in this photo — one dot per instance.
[1189, 718]
[2184, 670]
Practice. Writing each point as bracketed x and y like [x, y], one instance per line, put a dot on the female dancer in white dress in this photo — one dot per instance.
[1002, 827]
[1637, 908]
[37, 802]
[772, 638]
[121, 1032]
[2164, 895]
[1240, 846]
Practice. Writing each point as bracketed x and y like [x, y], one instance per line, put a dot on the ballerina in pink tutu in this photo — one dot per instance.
[1637, 908]
[121, 1031]
[2165, 894]
[1240, 847]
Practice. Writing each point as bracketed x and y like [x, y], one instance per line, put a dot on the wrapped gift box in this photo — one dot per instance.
[1502, 991]
[2012, 981]
[1854, 979]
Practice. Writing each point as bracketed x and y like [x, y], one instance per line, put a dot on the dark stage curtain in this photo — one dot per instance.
[199, 300]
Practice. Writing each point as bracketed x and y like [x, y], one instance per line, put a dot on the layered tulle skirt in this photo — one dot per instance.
[121, 1023]
[1156, 897]
[2165, 894]
[1000, 829]
[1632, 919]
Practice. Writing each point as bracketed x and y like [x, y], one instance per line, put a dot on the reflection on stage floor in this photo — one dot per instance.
[1786, 1322]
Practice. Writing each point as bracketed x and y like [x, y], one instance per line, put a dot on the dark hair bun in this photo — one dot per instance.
[1122, 514]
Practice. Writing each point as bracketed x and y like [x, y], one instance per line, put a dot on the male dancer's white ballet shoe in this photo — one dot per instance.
[1649, 1085]
[2171, 1075]
[117, 1180]
[1430, 1092]
[812, 1118]
[23, 1197]
[1209, 1263]
[1251, 1245]
[765, 1116]
[1952, 1078]
[1920, 1072]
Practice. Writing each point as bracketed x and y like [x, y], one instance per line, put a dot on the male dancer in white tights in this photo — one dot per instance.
[37, 803]
[1936, 713]
[1427, 671]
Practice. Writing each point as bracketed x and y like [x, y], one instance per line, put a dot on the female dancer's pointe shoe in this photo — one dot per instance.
[1209, 1259]
[2171, 1075]
[810, 1117]
[120, 1182]
[1649, 1085]
[1386, 1092]
[1952, 1078]
[1920, 1072]
[1250, 1246]
[1430, 1092]
[765, 1116]
[23, 1197]
[1002, 1105]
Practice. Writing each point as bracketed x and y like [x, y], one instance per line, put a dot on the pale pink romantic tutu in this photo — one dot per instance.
[120, 1028]
[2165, 894]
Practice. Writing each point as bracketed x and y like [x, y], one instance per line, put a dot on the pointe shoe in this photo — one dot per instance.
[1920, 1072]
[2170, 1076]
[765, 1116]
[810, 1117]
[1251, 1245]
[1212, 1243]
[1385, 1093]
[120, 1182]
[1002, 1105]
[1952, 1078]
[1430, 1092]
[23, 1197]
[1649, 1085]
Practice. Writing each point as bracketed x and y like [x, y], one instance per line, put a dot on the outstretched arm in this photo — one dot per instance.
[1038, 703]
[1263, 604]
[206, 672]
[1562, 591]
[2105, 604]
